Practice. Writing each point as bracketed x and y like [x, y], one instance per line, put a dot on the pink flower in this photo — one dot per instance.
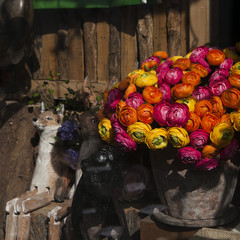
[198, 139]
[114, 96]
[207, 164]
[160, 112]
[173, 76]
[227, 64]
[166, 91]
[162, 73]
[178, 115]
[153, 58]
[219, 73]
[198, 52]
[189, 155]
[229, 151]
[166, 64]
[201, 92]
[205, 64]
[116, 125]
[134, 100]
[218, 87]
[124, 142]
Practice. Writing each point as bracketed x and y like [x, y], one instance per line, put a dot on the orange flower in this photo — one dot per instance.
[149, 65]
[191, 77]
[152, 94]
[225, 118]
[215, 57]
[127, 116]
[183, 63]
[217, 105]
[131, 88]
[161, 54]
[209, 120]
[200, 69]
[145, 112]
[202, 107]
[182, 90]
[231, 98]
[119, 107]
[193, 122]
[210, 151]
[234, 80]
[123, 85]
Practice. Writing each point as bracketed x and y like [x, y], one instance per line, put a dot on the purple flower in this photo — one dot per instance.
[227, 64]
[189, 155]
[124, 142]
[218, 87]
[134, 100]
[201, 92]
[207, 164]
[173, 76]
[198, 139]
[160, 112]
[114, 96]
[116, 125]
[68, 130]
[166, 91]
[178, 115]
[71, 157]
[229, 151]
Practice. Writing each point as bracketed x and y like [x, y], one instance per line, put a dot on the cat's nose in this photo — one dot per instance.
[35, 119]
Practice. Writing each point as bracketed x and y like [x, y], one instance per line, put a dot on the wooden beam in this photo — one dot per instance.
[23, 226]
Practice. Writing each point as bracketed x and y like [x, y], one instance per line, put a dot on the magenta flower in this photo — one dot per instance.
[166, 91]
[116, 125]
[227, 64]
[201, 92]
[114, 96]
[207, 164]
[229, 151]
[205, 64]
[160, 112]
[218, 87]
[153, 58]
[173, 76]
[162, 73]
[189, 155]
[167, 64]
[178, 115]
[198, 139]
[134, 100]
[198, 52]
[124, 142]
[219, 73]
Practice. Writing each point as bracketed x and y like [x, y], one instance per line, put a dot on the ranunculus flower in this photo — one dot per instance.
[231, 98]
[197, 53]
[225, 118]
[160, 112]
[204, 63]
[175, 58]
[130, 89]
[234, 80]
[201, 93]
[191, 77]
[119, 107]
[215, 57]
[161, 54]
[210, 151]
[202, 107]
[157, 138]
[218, 87]
[217, 105]
[207, 164]
[173, 76]
[178, 137]
[200, 69]
[219, 74]
[177, 115]
[145, 113]
[235, 120]
[229, 151]
[227, 64]
[116, 125]
[166, 91]
[150, 63]
[189, 101]
[146, 79]
[138, 131]
[236, 68]
[113, 97]
[162, 73]
[152, 94]
[189, 155]
[165, 65]
[183, 63]
[193, 122]
[105, 130]
[124, 142]
[132, 75]
[134, 100]
[182, 90]
[198, 139]
[209, 120]
[127, 116]
[222, 135]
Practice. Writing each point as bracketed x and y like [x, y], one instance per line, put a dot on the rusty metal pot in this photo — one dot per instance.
[194, 197]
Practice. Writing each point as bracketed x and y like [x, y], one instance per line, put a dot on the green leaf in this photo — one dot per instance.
[67, 81]
[58, 74]
[50, 90]
[99, 98]
[36, 94]
[31, 102]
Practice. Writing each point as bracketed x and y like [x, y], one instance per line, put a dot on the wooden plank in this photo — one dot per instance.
[174, 27]
[144, 32]
[76, 51]
[103, 45]
[24, 221]
[128, 41]
[54, 230]
[11, 225]
[90, 43]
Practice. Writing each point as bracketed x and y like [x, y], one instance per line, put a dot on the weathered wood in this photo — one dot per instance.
[64, 209]
[54, 230]
[103, 45]
[11, 225]
[128, 41]
[24, 221]
[38, 227]
[144, 32]
[174, 27]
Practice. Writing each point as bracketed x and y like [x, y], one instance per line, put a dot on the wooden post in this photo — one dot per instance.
[23, 226]
[54, 230]
[11, 224]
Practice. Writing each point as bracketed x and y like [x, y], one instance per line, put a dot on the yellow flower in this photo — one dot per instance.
[115, 85]
[138, 131]
[222, 134]
[178, 137]
[105, 130]
[236, 68]
[146, 79]
[189, 101]
[235, 119]
[136, 72]
[174, 58]
[157, 138]
[188, 55]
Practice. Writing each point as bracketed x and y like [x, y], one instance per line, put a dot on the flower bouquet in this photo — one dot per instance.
[186, 111]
